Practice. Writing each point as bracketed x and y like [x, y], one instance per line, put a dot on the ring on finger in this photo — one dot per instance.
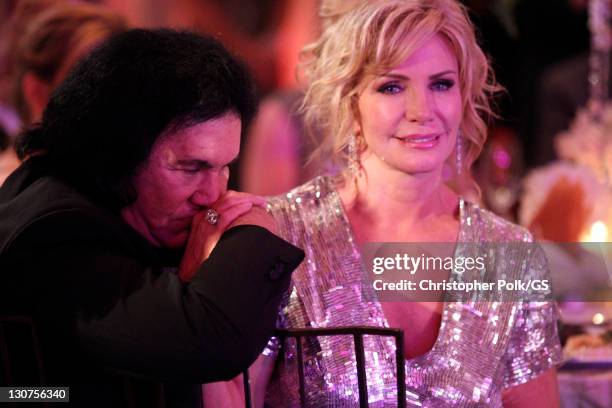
[211, 217]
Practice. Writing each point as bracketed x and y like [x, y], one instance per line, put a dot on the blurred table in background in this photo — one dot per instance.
[585, 388]
[585, 379]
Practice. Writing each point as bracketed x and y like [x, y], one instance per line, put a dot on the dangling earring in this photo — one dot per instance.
[353, 155]
[459, 155]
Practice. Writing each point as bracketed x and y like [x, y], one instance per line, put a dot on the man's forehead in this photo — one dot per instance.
[205, 131]
[216, 141]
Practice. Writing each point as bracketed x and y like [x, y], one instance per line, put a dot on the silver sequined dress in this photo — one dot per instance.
[482, 347]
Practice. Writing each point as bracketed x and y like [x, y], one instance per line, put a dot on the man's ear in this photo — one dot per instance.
[36, 93]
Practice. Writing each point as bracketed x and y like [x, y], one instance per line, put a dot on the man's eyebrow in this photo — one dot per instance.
[201, 163]
[194, 162]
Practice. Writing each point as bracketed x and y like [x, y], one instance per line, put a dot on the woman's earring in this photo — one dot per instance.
[353, 155]
[459, 154]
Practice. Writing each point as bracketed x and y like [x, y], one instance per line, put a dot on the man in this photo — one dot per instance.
[124, 183]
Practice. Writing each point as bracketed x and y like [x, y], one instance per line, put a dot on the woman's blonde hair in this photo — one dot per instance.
[374, 36]
[49, 32]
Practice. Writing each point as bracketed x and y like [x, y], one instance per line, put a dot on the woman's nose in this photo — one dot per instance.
[418, 106]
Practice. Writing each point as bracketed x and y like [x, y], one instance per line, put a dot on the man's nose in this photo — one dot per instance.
[209, 190]
[418, 106]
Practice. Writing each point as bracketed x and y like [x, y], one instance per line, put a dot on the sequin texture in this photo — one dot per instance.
[482, 347]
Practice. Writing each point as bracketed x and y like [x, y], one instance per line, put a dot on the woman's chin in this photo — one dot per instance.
[420, 167]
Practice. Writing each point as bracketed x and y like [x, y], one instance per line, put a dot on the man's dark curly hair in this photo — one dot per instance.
[102, 122]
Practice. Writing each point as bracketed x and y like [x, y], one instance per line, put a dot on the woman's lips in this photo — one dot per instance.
[420, 141]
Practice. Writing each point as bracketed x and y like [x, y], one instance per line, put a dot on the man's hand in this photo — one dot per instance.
[234, 209]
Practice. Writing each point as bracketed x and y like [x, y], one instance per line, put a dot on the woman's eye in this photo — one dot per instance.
[442, 84]
[390, 88]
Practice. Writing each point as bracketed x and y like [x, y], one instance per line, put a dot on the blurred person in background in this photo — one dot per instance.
[278, 153]
[41, 43]
[49, 44]
[8, 158]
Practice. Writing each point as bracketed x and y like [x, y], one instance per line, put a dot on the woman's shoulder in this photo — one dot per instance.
[314, 192]
[510, 243]
[311, 208]
[485, 225]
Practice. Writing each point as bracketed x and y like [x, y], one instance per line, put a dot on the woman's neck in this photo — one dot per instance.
[389, 204]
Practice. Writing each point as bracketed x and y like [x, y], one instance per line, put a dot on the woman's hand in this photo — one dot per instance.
[234, 208]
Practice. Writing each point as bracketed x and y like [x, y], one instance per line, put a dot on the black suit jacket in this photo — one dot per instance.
[110, 319]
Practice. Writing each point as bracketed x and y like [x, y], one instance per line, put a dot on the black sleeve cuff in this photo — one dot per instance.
[285, 254]
[243, 281]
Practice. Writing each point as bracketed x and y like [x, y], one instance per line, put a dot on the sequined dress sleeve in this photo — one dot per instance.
[534, 345]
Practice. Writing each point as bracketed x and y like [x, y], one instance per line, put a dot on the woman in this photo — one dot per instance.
[399, 87]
